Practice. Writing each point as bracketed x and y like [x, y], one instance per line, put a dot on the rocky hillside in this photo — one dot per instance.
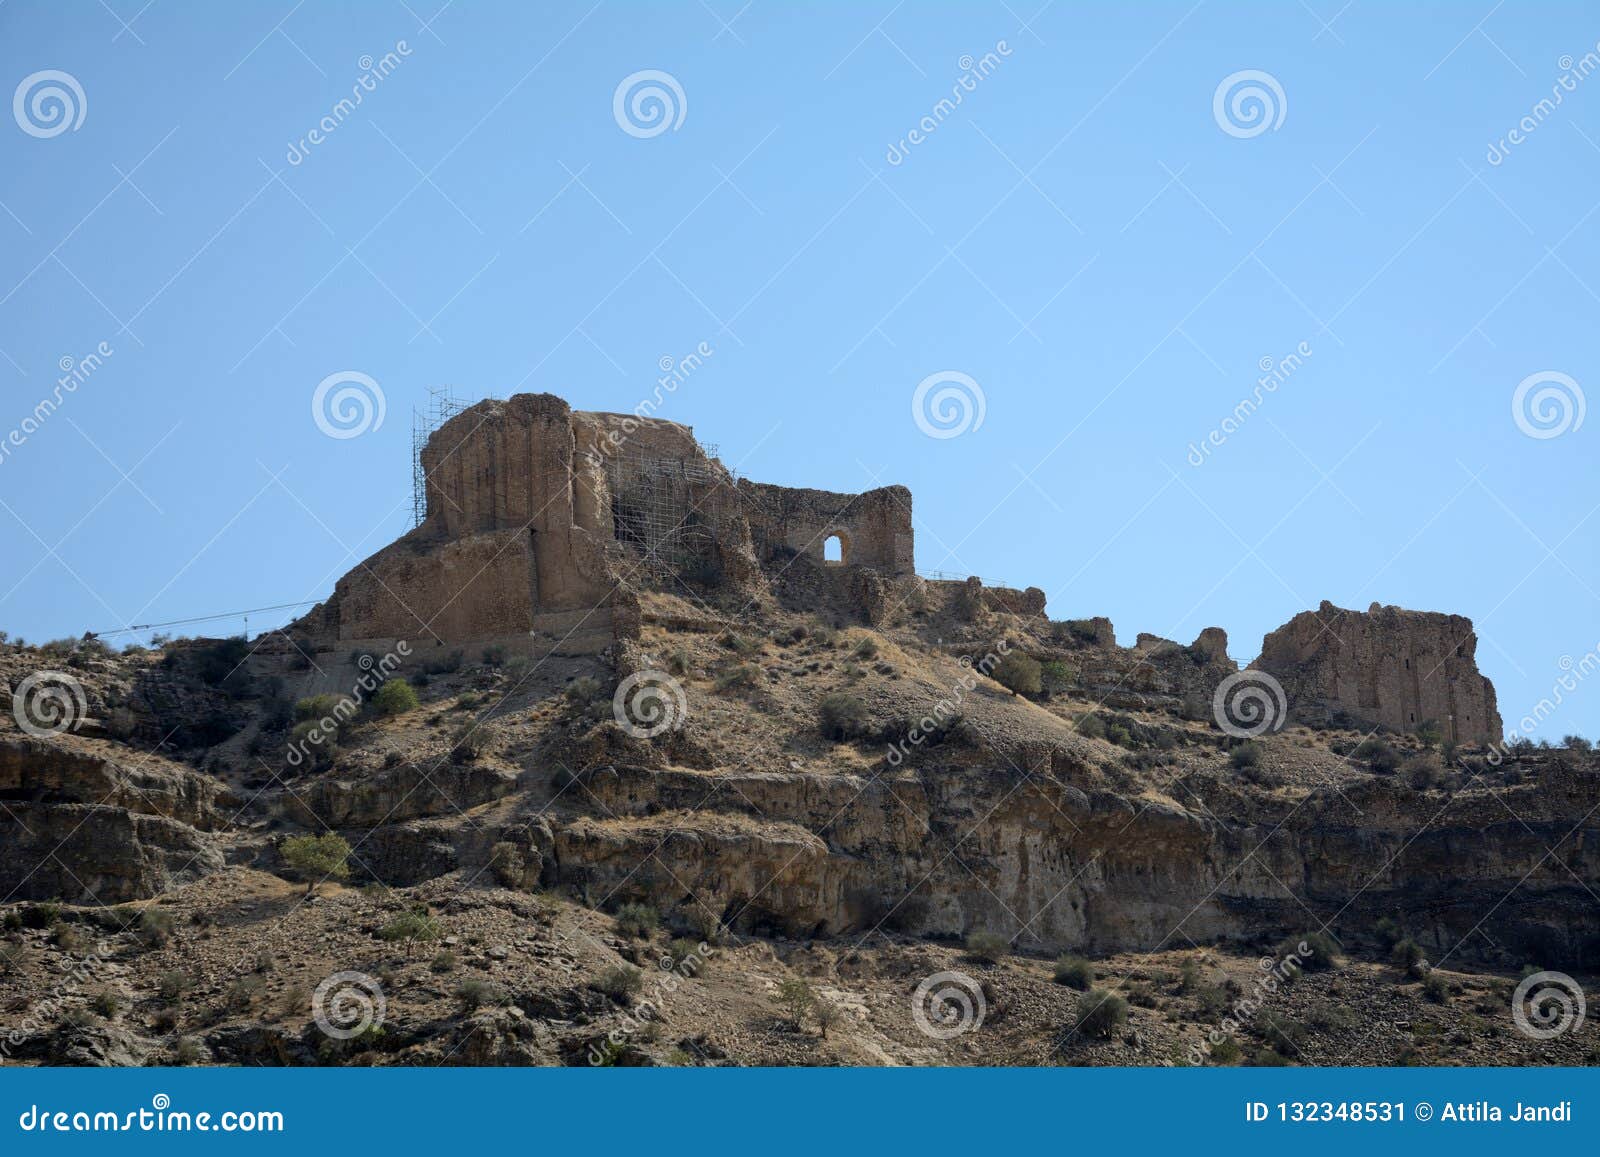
[804, 805]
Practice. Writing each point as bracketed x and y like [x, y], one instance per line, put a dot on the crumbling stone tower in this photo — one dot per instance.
[538, 515]
[1391, 666]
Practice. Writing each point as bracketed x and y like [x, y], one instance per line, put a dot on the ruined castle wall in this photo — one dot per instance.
[874, 528]
[535, 509]
[1386, 666]
[470, 588]
[513, 465]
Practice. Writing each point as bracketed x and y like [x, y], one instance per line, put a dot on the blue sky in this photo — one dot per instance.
[1080, 237]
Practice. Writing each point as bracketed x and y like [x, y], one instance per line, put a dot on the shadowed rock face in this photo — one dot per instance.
[89, 829]
[1391, 666]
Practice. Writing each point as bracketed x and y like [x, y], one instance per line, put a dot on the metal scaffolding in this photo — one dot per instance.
[442, 406]
[668, 508]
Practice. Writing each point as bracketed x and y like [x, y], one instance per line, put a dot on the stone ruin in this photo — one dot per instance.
[1389, 666]
[540, 518]
[542, 522]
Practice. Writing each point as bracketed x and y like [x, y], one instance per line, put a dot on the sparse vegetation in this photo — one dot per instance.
[1379, 756]
[412, 927]
[989, 947]
[1246, 755]
[637, 920]
[1020, 674]
[621, 983]
[841, 717]
[1075, 972]
[739, 675]
[395, 697]
[797, 999]
[1408, 956]
[317, 858]
[474, 994]
[1100, 1013]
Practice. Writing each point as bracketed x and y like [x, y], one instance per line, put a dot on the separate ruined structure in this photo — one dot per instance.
[539, 517]
[1388, 666]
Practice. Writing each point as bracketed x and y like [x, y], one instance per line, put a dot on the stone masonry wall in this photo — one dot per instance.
[874, 527]
[1391, 666]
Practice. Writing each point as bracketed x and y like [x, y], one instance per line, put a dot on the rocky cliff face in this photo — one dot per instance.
[83, 826]
[1386, 666]
[1056, 867]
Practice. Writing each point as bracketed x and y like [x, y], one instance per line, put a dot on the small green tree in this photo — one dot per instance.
[1057, 676]
[1100, 1013]
[1409, 956]
[1020, 674]
[317, 857]
[412, 927]
[828, 1015]
[796, 997]
[395, 697]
